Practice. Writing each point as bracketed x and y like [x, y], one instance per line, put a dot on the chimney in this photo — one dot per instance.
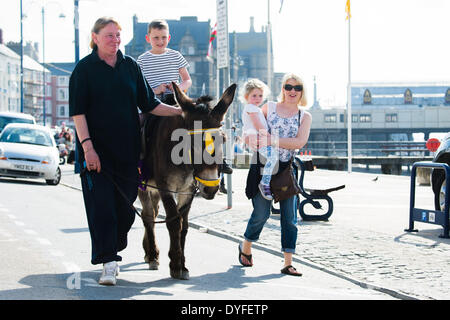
[1, 36]
[252, 24]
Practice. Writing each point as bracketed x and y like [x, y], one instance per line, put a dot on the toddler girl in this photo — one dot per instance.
[254, 122]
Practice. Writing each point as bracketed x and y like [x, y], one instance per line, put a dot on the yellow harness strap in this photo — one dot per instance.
[208, 183]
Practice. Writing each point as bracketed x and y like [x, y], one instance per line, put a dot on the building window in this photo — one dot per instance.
[354, 118]
[62, 94]
[367, 97]
[447, 96]
[365, 118]
[391, 117]
[48, 106]
[408, 97]
[341, 117]
[62, 111]
[63, 81]
[187, 44]
[330, 118]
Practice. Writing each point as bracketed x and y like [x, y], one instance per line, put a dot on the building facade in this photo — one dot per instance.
[188, 36]
[9, 80]
[385, 112]
[34, 91]
[400, 94]
[59, 105]
[248, 52]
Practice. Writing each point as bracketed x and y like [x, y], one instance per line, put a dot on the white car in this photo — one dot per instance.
[29, 151]
[15, 117]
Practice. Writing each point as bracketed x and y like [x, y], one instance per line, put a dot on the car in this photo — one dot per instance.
[7, 117]
[438, 181]
[29, 151]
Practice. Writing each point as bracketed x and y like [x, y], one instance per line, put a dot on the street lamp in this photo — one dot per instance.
[62, 16]
[43, 55]
[21, 57]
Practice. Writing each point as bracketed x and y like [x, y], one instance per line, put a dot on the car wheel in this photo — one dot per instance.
[62, 160]
[56, 180]
[439, 197]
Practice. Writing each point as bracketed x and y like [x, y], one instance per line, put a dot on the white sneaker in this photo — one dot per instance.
[109, 274]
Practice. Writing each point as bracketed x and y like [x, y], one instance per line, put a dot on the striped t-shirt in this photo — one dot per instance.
[162, 68]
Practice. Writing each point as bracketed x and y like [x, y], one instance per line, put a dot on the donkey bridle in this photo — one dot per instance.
[205, 182]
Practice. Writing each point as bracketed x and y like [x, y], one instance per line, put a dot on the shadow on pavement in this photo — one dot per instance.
[84, 286]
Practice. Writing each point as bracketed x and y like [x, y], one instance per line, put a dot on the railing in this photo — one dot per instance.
[365, 148]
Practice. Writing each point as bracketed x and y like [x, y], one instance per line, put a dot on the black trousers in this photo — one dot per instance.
[109, 214]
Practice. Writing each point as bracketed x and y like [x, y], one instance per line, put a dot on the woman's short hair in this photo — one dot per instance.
[99, 25]
[250, 85]
[158, 24]
[302, 101]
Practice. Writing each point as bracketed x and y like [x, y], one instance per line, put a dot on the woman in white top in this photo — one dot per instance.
[292, 131]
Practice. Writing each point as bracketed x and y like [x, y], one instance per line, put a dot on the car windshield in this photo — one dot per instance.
[26, 135]
[5, 120]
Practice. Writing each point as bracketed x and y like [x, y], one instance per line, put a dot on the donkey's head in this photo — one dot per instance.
[204, 137]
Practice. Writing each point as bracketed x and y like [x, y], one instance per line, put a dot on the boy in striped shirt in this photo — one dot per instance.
[161, 65]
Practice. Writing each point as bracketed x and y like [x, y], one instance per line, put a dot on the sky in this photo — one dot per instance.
[391, 40]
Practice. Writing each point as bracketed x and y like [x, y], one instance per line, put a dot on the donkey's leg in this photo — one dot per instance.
[150, 206]
[173, 224]
[184, 205]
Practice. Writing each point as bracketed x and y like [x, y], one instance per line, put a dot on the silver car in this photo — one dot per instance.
[29, 151]
[438, 182]
[7, 117]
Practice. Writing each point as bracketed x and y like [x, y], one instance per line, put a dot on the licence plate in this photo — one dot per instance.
[23, 167]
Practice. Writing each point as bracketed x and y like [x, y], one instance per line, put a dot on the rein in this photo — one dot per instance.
[108, 175]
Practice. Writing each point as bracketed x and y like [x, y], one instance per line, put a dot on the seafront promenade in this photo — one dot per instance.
[363, 242]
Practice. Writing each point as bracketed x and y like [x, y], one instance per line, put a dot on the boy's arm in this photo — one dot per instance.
[186, 81]
[166, 110]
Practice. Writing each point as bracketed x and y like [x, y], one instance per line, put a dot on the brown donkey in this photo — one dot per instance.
[183, 154]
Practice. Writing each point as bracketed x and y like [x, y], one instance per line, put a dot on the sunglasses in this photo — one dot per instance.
[289, 87]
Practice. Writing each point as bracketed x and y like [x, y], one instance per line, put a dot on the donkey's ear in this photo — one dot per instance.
[182, 99]
[225, 101]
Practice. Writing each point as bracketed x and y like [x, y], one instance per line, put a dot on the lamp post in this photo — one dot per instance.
[61, 15]
[21, 56]
[269, 50]
[76, 19]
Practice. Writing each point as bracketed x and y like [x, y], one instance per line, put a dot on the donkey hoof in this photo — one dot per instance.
[185, 275]
[153, 265]
[180, 274]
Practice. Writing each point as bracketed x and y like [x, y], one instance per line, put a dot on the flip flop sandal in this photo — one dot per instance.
[247, 256]
[286, 270]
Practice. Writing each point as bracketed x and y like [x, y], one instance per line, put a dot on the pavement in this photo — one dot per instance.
[363, 243]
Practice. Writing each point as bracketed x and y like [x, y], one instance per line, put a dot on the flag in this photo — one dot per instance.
[347, 10]
[281, 6]
[211, 39]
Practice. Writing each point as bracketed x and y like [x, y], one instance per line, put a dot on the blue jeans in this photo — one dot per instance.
[288, 219]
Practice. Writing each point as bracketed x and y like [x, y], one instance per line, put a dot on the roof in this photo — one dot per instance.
[401, 84]
[60, 68]
[177, 28]
[31, 64]
[27, 125]
[16, 114]
[4, 50]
